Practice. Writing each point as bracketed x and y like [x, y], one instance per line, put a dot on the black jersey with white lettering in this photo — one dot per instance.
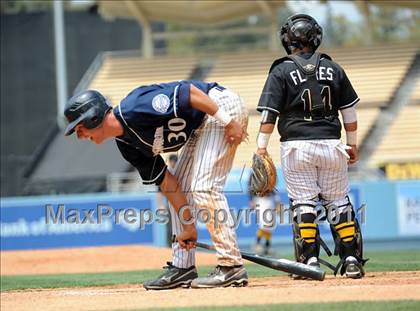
[157, 118]
[286, 94]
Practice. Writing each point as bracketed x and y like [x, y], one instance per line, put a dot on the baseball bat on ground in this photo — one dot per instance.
[284, 265]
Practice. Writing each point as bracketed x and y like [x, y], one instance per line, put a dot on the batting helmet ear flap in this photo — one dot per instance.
[91, 118]
[95, 116]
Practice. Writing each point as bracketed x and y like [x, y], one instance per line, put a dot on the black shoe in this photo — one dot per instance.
[223, 276]
[173, 277]
[353, 268]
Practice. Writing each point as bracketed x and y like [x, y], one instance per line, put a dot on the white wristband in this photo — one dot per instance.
[222, 117]
[262, 140]
[351, 138]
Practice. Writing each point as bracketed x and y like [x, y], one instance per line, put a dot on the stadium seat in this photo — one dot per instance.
[373, 71]
[119, 75]
[402, 142]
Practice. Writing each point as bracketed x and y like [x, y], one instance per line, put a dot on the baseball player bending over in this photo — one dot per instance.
[305, 91]
[206, 119]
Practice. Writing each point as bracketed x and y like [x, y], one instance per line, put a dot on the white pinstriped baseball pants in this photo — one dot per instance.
[313, 167]
[202, 169]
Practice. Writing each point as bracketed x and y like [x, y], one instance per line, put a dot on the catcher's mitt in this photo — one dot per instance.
[264, 176]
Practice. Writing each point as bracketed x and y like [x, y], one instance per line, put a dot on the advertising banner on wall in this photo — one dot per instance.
[71, 221]
[402, 171]
[408, 198]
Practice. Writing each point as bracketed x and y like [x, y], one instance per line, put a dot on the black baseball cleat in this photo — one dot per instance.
[173, 277]
[353, 269]
[223, 276]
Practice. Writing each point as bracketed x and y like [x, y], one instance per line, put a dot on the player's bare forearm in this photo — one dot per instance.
[267, 128]
[350, 127]
[172, 191]
[201, 101]
[177, 198]
[235, 132]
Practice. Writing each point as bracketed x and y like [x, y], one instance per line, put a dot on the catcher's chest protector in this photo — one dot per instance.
[312, 93]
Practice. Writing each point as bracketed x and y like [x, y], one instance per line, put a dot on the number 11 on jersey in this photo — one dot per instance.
[307, 99]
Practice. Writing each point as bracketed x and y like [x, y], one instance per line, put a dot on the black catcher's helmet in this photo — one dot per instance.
[301, 30]
[88, 108]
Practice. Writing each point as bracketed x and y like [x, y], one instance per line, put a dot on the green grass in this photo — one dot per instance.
[379, 261]
[405, 305]
[75, 280]
[393, 261]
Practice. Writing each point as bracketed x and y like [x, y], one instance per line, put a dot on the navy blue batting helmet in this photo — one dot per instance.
[87, 108]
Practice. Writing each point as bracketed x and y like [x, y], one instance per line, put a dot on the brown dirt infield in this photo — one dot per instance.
[375, 286]
[90, 260]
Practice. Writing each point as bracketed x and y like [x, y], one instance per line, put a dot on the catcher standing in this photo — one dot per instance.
[208, 121]
[306, 90]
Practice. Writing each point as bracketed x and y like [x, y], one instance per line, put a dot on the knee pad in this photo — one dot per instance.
[305, 233]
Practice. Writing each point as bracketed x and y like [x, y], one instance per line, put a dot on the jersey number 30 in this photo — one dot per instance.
[176, 125]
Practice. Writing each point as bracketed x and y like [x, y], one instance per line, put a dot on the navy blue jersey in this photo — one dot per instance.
[157, 118]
